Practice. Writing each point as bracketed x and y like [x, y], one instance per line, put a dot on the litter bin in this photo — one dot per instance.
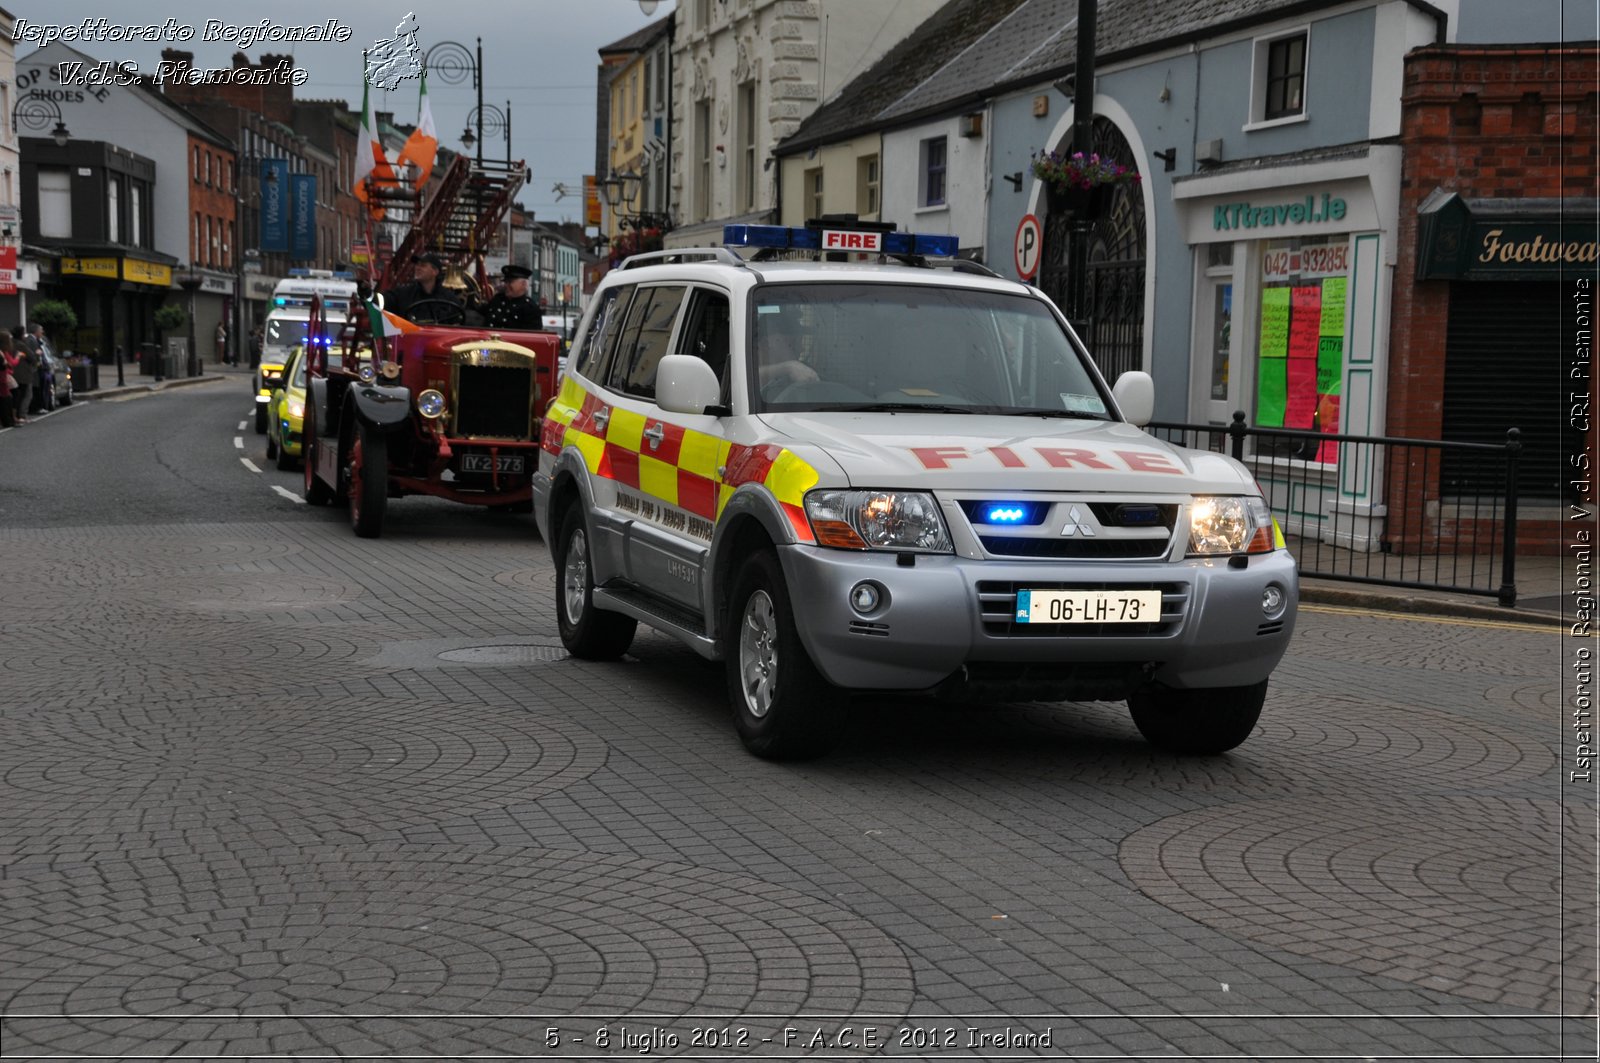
[149, 364]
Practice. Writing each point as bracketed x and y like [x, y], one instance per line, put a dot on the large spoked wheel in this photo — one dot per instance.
[369, 482]
[588, 633]
[782, 706]
[1197, 722]
[315, 492]
[436, 312]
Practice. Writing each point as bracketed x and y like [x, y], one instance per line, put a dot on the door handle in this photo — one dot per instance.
[654, 434]
[601, 418]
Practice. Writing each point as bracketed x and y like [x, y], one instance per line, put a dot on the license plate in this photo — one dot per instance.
[1088, 607]
[511, 463]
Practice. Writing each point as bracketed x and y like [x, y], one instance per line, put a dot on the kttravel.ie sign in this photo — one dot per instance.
[1246, 215]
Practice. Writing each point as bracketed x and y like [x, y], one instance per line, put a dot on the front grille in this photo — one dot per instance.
[997, 602]
[1075, 546]
[862, 627]
[494, 401]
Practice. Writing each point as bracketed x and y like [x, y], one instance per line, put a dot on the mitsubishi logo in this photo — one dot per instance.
[1075, 524]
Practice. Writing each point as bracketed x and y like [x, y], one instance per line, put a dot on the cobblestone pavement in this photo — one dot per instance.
[269, 790]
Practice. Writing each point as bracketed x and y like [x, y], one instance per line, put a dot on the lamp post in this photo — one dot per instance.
[452, 63]
[190, 282]
[35, 112]
[489, 117]
[242, 258]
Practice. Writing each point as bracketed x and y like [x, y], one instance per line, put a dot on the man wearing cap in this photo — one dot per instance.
[511, 307]
[426, 286]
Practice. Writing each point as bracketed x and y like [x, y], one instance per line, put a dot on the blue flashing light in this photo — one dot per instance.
[281, 301]
[1005, 515]
[1006, 512]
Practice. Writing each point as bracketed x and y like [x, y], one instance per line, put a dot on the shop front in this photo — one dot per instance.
[1292, 265]
[115, 298]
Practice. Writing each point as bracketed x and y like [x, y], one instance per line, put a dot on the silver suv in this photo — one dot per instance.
[874, 475]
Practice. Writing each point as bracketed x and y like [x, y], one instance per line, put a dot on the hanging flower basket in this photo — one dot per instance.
[1079, 185]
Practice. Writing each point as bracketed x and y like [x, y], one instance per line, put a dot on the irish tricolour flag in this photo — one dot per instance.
[385, 324]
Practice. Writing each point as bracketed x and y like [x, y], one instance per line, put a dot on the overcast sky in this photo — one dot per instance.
[541, 55]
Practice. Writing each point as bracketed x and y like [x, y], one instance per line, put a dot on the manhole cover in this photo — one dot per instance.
[505, 655]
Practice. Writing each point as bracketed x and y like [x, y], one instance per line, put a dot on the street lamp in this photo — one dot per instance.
[35, 112]
[452, 63]
[490, 117]
[190, 282]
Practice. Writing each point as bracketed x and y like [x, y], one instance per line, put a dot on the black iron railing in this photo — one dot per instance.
[1420, 513]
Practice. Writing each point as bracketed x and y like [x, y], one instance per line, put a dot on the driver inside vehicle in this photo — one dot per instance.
[781, 362]
[425, 300]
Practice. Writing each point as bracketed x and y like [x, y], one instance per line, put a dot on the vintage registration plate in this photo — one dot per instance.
[508, 463]
[1088, 607]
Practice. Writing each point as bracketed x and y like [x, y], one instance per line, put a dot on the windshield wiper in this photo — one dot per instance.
[901, 407]
[1079, 415]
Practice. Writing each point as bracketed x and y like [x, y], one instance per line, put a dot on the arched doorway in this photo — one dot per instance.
[1094, 271]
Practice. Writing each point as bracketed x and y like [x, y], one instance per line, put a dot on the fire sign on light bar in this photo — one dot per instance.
[786, 237]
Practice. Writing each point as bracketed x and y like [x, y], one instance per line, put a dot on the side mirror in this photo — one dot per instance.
[1135, 393]
[685, 384]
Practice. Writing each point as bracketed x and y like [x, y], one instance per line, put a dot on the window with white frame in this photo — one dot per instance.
[932, 183]
[136, 214]
[702, 14]
[55, 202]
[814, 193]
[1279, 83]
[747, 146]
[867, 186]
[702, 155]
[113, 210]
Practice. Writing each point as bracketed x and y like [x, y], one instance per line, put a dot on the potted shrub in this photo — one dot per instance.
[1079, 184]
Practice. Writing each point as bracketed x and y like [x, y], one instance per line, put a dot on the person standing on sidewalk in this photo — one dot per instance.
[8, 361]
[222, 344]
[26, 372]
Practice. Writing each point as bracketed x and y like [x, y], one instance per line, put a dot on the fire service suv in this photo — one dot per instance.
[833, 465]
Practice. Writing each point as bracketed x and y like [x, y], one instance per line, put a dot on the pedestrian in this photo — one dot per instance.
[222, 343]
[511, 308]
[255, 346]
[8, 361]
[25, 372]
[45, 393]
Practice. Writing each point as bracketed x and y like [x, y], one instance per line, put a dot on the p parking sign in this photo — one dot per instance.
[1026, 252]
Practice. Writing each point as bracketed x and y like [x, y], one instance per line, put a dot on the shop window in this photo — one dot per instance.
[1278, 90]
[932, 172]
[1300, 351]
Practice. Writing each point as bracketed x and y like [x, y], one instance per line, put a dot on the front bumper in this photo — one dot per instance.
[946, 619]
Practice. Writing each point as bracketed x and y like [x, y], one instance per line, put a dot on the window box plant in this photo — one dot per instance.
[1080, 184]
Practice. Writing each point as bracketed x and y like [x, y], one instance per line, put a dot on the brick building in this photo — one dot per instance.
[1497, 231]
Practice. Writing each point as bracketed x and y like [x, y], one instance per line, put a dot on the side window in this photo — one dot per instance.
[644, 340]
[705, 332]
[602, 334]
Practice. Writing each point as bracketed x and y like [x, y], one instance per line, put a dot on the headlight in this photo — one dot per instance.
[296, 408]
[878, 520]
[431, 404]
[366, 373]
[1226, 525]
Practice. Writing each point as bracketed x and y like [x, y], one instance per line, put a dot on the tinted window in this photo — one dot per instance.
[602, 334]
[705, 332]
[644, 340]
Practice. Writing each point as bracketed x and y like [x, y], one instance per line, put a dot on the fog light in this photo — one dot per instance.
[865, 597]
[1272, 601]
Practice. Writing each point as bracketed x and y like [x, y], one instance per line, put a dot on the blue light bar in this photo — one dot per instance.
[929, 244]
[1006, 512]
[1005, 515]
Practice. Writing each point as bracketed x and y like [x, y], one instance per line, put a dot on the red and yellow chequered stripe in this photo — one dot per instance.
[683, 470]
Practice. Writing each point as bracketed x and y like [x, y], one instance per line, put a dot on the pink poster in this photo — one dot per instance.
[1305, 324]
[1300, 403]
[1328, 409]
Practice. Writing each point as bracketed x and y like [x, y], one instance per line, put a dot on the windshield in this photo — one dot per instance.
[288, 331]
[905, 347]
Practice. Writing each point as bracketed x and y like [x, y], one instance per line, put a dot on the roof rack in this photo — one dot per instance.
[684, 254]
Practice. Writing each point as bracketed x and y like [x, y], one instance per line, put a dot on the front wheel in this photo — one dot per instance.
[285, 459]
[1198, 722]
[272, 444]
[588, 633]
[261, 418]
[782, 706]
[369, 482]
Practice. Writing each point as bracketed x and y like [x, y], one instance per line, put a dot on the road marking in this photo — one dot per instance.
[242, 425]
[1426, 618]
[238, 442]
[290, 495]
[250, 465]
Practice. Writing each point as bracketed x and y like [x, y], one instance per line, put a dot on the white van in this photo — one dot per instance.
[288, 321]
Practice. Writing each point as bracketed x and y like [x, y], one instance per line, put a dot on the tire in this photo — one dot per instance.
[1199, 722]
[261, 418]
[369, 482]
[285, 459]
[782, 706]
[272, 445]
[588, 633]
[315, 492]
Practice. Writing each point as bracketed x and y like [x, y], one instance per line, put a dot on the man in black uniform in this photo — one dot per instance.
[511, 308]
[426, 286]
